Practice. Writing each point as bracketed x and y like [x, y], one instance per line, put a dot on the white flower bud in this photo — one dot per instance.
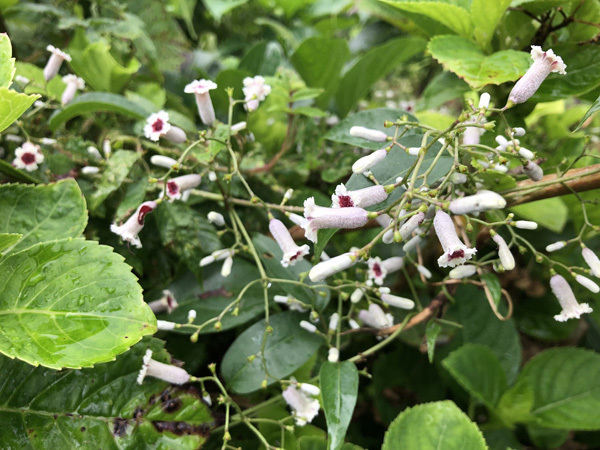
[526, 225]
[90, 170]
[412, 244]
[332, 266]
[106, 149]
[212, 176]
[463, 271]
[237, 127]
[226, 267]
[162, 161]
[592, 261]
[484, 101]
[481, 201]
[424, 271]
[353, 324]
[310, 389]
[333, 321]
[533, 171]
[518, 131]
[556, 246]
[308, 326]
[458, 178]
[587, 283]
[357, 295]
[375, 317]
[93, 152]
[411, 225]
[216, 218]
[165, 325]
[527, 154]
[413, 151]
[333, 355]
[506, 257]
[398, 302]
[369, 134]
[288, 194]
[570, 308]
[366, 162]
[191, 315]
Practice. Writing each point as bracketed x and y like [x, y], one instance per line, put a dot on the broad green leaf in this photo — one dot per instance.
[9, 240]
[481, 326]
[16, 174]
[306, 94]
[452, 15]
[583, 74]
[309, 111]
[566, 394]
[590, 112]
[339, 388]
[492, 282]
[465, 59]
[7, 63]
[218, 8]
[70, 303]
[42, 213]
[95, 102]
[319, 61]
[551, 213]
[371, 67]
[442, 88]
[13, 105]
[100, 407]
[433, 426]
[515, 404]
[485, 16]
[262, 59]
[113, 175]
[477, 369]
[323, 237]
[286, 349]
[547, 437]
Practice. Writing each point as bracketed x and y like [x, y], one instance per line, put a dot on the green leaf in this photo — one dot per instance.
[7, 64]
[478, 371]
[339, 388]
[492, 282]
[12, 105]
[70, 303]
[306, 94]
[465, 59]
[8, 240]
[217, 8]
[16, 174]
[583, 74]
[262, 59]
[286, 349]
[442, 88]
[101, 407]
[432, 426]
[481, 326]
[431, 333]
[485, 16]
[309, 111]
[551, 213]
[41, 213]
[566, 394]
[319, 61]
[113, 175]
[449, 14]
[593, 110]
[323, 237]
[515, 405]
[95, 102]
[374, 65]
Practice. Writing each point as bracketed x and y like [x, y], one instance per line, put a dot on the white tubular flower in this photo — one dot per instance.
[226, 267]
[379, 269]
[90, 170]
[237, 127]
[366, 162]
[28, 156]
[555, 246]
[157, 125]
[587, 283]
[525, 153]
[192, 315]
[464, 271]
[255, 91]
[544, 62]
[217, 255]
[412, 244]
[407, 229]
[310, 389]
[484, 101]
[170, 374]
[201, 88]
[93, 152]
[74, 83]
[398, 302]
[162, 161]
[455, 252]
[506, 257]
[166, 303]
[324, 256]
[333, 321]
[216, 218]
[308, 326]
[295, 218]
[424, 270]
[304, 407]
[292, 253]
[176, 186]
[56, 59]
[130, 229]
[333, 355]
[592, 261]
[361, 198]
[318, 217]
[526, 225]
[369, 134]
[533, 171]
[353, 324]
[165, 325]
[482, 201]
[291, 302]
[332, 266]
[570, 308]
[502, 142]
[472, 135]
[375, 317]
[458, 178]
[106, 148]
[48, 141]
[357, 295]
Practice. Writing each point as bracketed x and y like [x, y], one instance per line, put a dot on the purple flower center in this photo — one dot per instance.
[157, 126]
[142, 214]
[296, 256]
[345, 201]
[28, 158]
[456, 254]
[377, 270]
[172, 188]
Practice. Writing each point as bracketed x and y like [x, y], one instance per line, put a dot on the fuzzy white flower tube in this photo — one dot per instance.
[255, 91]
[587, 283]
[226, 267]
[28, 156]
[166, 372]
[361, 198]
[304, 407]
[555, 246]
[162, 161]
[525, 153]
[533, 171]
[369, 134]
[217, 255]
[571, 309]
[201, 88]
[592, 261]
[318, 217]
[455, 252]
[176, 186]
[308, 326]
[54, 62]
[544, 63]
[464, 271]
[237, 127]
[166, 303]
[374, 317]
[482, 201]
[74, 83]
[93, 152]
[526, 225]
[366, 162]
[357, 295]
[130, 229]
[472, 135]
[332, 266]
[506, 257]
[398, 302]
[292, 253]
[333, 321]
[484, 101]
[407, 229]
[157, 126]
[165, 325]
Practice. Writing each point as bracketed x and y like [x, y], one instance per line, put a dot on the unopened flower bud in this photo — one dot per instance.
[368, 134]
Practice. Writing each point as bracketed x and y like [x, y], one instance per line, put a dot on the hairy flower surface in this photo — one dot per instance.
[304, 407]
[292, 253]
[506, 257]
[366, 162]
[177, 186]
[482, 201]
[455, 252]
[255, 91]
[361, 198]
[368, 133]
[319, 217]
[332, 266]
[592, 261]
[570, 308]
[165, 372]
[54, 62]
[74, 83]
[201, 88]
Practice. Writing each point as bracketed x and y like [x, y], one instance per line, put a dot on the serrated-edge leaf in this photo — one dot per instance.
[16, 174]
[16, 103]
